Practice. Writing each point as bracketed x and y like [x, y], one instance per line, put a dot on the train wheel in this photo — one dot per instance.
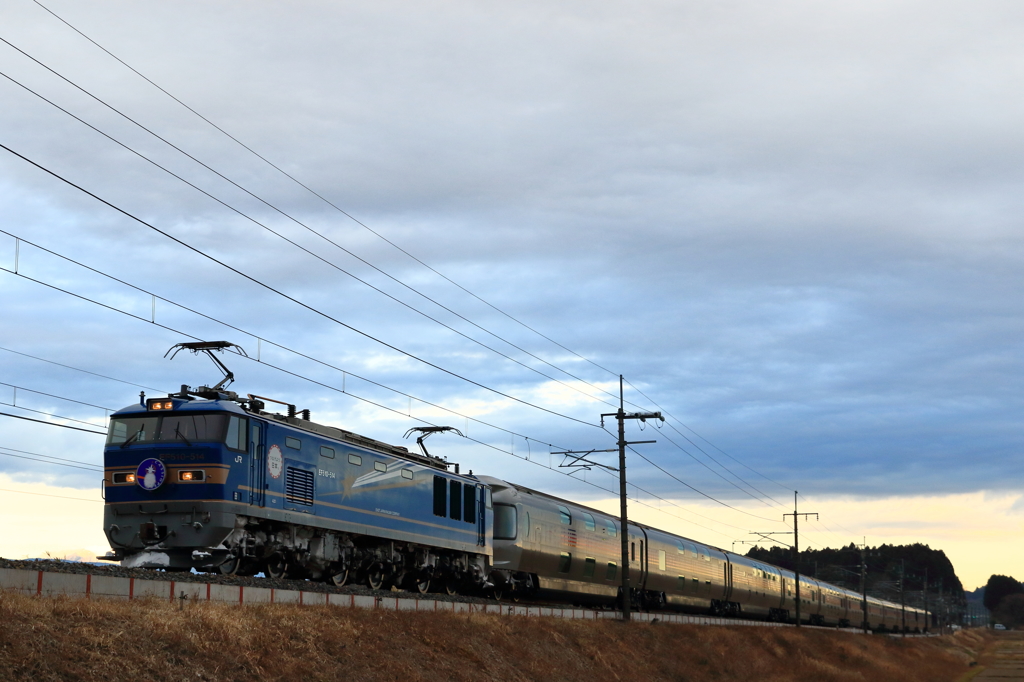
[497, 593]
[451, 586]
[423, 585]
[277, 566]
[375, 578]
[340, 578]
[231, 566]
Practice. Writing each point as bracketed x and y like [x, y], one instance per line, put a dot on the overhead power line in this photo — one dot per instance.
[294, 300]
[41, 421]
[301, 224]
[322, 198]
[353, 395]
[102, 376]
[352, 254]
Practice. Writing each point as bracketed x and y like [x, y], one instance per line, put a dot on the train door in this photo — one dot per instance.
[482, 498]
[257, 468]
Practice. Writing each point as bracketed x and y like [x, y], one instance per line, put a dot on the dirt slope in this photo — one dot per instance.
[75, 639]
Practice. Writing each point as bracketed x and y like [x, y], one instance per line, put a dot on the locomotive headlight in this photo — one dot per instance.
[161, 404]
[186, 475]
[198, 475]
[122, 477]
[130, 478]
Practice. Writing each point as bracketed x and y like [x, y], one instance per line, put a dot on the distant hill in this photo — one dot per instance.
[885, 566]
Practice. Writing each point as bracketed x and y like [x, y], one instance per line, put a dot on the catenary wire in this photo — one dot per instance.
[784, 487]
[42, 421]
[322, 198]
[50, 395]
[90, 467]
[303, 225]
[102, 376]
[368, 401]
[342, 248]
[282, 294]
[338, 246]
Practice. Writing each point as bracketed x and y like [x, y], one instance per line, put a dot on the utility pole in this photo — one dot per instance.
[580, 461]
[903, 601]
[864, 585]
[796, 549]
[795, 546]
[927, 618]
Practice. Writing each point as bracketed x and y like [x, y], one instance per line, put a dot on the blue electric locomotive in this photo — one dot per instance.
[208, 480]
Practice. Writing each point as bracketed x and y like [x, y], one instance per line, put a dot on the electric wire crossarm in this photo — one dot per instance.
[349, 216]
[329, 386]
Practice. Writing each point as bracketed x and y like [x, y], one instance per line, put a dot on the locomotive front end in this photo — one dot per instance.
[168, 472]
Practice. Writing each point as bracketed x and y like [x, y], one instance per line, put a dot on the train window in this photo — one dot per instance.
[455, 501]
[326, 452]
[505, 522]
[293, 443]
[235, 437]
[564, 562]
[692, 547]
[661, 559]
[588, 567]
[134, 430]
[611, 571]
[633, 546]
[704, 554]
[527, 524]
[380, 466]
[588, 522]
[355, 459]
[469, 503]
[681, 586]
[611, 528]
[681, 547]
[440, 496]
[696, 582]
[407, 473]
[565, 516]
[487, 497]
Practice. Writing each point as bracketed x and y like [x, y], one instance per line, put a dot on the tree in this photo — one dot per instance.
[998, 588]
[1010, 611]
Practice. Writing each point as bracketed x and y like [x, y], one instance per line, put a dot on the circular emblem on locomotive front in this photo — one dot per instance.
[275, 462]
[151, 474]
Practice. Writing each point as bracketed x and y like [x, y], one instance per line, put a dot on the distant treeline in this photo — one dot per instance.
[885, 566]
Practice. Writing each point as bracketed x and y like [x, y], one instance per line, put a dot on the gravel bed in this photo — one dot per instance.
[113, 570]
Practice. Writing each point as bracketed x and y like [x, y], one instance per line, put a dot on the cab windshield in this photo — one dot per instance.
[186, 427]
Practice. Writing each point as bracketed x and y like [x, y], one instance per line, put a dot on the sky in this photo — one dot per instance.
[793, 228]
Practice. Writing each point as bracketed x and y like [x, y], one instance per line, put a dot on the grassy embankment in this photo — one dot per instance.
[75, 639]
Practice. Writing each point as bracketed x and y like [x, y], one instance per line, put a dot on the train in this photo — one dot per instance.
[209, 480]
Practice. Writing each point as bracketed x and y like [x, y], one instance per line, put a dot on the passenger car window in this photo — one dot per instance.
[661, 559]
[610, 527]
[564, 562]
[564, 515]
[505, 522]
[588, 522]
[611, 571]
[588, 567]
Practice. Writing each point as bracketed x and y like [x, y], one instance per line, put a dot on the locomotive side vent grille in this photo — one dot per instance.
[298, 487]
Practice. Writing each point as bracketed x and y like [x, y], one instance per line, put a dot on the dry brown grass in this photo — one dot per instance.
[74, 639]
